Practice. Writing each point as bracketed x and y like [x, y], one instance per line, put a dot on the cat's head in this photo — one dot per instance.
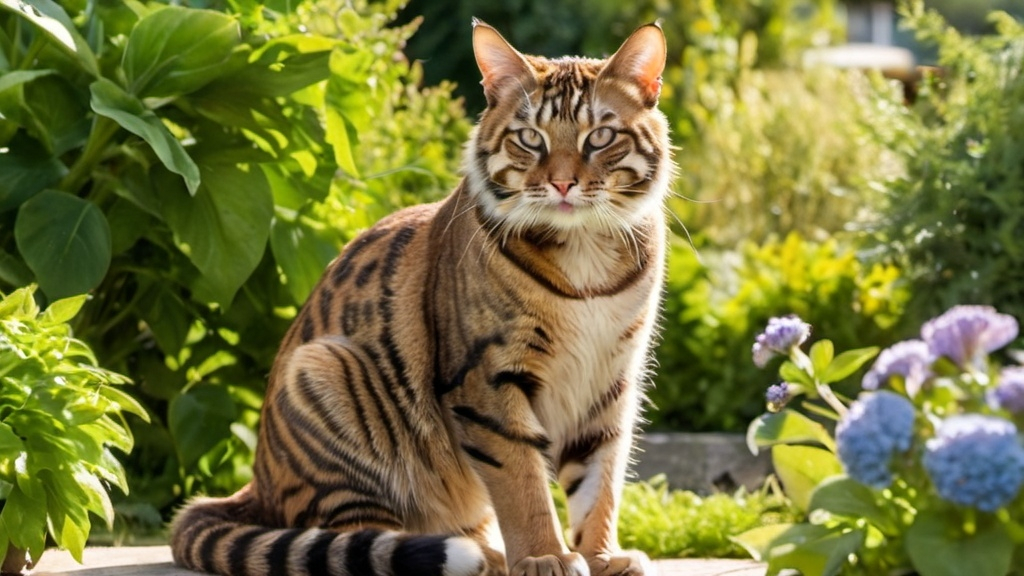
[570, 143]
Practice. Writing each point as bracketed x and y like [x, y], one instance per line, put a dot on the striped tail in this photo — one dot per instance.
[208, 536]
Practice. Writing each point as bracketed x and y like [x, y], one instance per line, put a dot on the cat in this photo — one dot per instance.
[458, 355]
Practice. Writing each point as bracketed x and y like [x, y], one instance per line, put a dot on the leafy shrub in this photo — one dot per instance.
[60, 415]
[713, 310]
[667, 523]
[196, 171]
[777, 151]
[954, 221]
[925, 471]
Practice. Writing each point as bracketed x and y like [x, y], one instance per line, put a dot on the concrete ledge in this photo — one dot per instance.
[703, 463]
[156, 561]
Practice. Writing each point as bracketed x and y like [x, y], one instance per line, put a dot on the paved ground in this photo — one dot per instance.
[156, 561]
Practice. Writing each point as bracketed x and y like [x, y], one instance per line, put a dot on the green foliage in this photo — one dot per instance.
[954, 221]
[774, 151]
[196, 170]
[667, 523]
[60, 415]
[710, 29]
[705, 379]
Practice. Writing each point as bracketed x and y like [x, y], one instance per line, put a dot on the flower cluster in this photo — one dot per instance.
[781, 336]
[976, 460]
[877, 427]
[936, 404]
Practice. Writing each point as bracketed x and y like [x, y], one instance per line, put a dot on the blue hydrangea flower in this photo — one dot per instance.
[877, 426]
[966, 334]
[781, 336]
[1009, 392]
[778, 395]
[910, 359]
[976, 460]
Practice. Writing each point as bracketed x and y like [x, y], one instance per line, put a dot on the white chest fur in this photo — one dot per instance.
[591, 354]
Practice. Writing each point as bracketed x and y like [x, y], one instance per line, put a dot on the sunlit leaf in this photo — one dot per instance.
[786, 427]
[108, 99]
[801, 469]
[177, 50]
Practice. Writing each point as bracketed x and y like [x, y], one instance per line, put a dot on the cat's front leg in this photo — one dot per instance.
[512, 464]
[592, 473]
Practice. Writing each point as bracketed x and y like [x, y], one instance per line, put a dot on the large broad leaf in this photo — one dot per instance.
[809, 548]
[223, 229]
[302, 253]
[49, 17]
[27, 169]
[177, 50]
[844, 496]
[108, 99]
[938, 546]
[65, 241]
[786, 427]
[198, 420]
[801, 469]
[60, 111]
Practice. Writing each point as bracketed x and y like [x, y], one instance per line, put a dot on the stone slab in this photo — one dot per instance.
[156, 561]
[703, 463]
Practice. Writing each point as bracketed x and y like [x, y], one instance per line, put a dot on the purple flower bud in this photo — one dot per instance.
[1009, 392]
[781, 336]
[910, 359]
[966, 334]
[778, 395]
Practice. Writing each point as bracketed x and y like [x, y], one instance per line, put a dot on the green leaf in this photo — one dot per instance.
[166, 315]
[25, 521]
[27, 169]
[108, 99]
[348, 94]
[63, 310]
[791, 373]
[10, 444]
[198, 420]
[786, 427]
[302, 253]
[178, 50]
[223, 229]
[821, 355]
[72, 538]
[49, 17]
[65, 241]
[14, 78]
[758, 541]
[824, 556]
[13, 271]
[844, 496]
[937, 546]
[801, 469]
[847, 363]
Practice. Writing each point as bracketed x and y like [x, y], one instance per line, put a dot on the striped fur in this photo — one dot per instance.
[458, 355]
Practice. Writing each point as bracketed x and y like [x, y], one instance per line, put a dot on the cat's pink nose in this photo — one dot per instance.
[563, 186]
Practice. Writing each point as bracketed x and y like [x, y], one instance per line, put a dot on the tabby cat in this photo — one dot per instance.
[458, 355]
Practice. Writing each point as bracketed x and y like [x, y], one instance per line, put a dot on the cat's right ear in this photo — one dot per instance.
[499, 62]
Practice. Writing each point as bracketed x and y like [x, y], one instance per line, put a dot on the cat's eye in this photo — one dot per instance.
[600, 138]
[531, 139]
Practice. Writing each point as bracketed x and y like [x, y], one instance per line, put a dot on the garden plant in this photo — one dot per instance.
[60, 417]
[925, 470]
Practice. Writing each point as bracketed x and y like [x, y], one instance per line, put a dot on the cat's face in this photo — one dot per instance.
[573, 142]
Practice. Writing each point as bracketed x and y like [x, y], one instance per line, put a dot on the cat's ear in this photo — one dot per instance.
[499, 62]
[640, 61]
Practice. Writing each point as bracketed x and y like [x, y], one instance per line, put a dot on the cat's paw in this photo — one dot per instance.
[571, 564]
[625, 563]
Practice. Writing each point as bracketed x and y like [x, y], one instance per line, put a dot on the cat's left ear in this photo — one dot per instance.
[640, 61]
